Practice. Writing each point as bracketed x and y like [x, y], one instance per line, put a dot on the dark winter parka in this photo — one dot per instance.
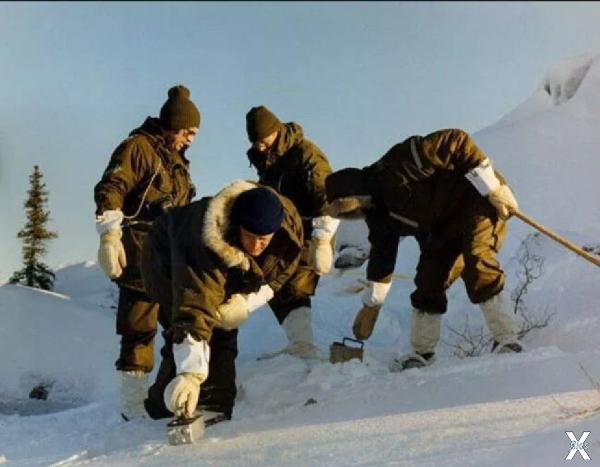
[194, 253]
[419, 189]
[143, 179]
[297, 169]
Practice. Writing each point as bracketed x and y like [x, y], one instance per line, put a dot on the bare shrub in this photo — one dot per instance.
[472, 342]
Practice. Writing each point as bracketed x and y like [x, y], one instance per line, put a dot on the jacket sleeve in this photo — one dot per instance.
[127, 167]
[316, 169]
[197, 292]
[419, 157]
[384, 249]
[286, 274]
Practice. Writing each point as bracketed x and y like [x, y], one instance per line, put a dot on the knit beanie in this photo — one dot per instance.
[258, 211]
[179, 112]
[260, 123]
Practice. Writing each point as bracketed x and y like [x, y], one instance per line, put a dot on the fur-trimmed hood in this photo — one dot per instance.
[217, 225]
[193, 253]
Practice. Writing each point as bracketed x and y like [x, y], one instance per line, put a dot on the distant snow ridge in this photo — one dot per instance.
[562, 82]
[571, 80]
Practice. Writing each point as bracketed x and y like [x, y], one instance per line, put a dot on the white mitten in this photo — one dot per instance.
[321, 249]
[236, 310]
[111, 253]
[504, 201]
[191, 360]
[182, 394]
[321, 255]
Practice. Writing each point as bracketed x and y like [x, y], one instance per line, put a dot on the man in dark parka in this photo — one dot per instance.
[441, 189]
[148, 173]
[213, 262]
[294, 166]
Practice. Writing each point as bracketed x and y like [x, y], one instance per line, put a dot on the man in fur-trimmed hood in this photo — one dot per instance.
[213, 262]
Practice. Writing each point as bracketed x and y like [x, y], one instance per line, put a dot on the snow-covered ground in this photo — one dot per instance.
[481, 411]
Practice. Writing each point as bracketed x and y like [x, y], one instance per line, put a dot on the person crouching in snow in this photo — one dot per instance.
[441, 189]
[212, 263]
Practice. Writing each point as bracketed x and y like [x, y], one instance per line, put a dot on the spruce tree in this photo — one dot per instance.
[35, 235]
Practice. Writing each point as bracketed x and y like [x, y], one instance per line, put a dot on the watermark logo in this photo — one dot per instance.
[578, 445]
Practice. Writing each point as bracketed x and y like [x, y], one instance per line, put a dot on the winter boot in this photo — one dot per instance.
[297, 326]
[424, 336]
[502, 323]
[134, 385]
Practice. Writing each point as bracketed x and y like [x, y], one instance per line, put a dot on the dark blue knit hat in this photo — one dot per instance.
[258, 211]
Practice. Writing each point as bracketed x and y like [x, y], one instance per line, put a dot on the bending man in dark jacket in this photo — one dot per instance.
[440, 188]
[214, 262]
[147, 174]
[291, 164]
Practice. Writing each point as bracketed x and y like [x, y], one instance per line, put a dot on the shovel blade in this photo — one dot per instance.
[185, 430]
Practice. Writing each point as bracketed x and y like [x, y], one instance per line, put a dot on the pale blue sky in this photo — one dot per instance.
[358, 76]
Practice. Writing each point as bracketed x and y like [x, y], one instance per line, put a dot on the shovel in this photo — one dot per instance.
[184, 430]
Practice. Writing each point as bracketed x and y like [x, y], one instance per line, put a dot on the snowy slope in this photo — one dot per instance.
[494, 407]
[548, 148]
[490, 410]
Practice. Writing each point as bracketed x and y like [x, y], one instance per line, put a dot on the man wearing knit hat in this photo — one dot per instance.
[296, 168]
[147, 174]
[213, 262]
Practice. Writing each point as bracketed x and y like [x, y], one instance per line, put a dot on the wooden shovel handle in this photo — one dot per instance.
[554, 236]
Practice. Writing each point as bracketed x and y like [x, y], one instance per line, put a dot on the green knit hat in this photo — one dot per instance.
[179, 112]
[260, 123]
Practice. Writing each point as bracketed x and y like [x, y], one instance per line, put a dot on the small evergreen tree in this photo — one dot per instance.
[35, 235]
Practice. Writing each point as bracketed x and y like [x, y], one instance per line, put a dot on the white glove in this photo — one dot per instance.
[320, 255]
[504, 201]
[182, 394]
[111, 253]
[236, 310]
[321, 249]
[487, 184]
[191, 360]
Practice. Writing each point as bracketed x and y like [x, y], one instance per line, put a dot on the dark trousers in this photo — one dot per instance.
[469, 251]
[296, 292]
[137, 322]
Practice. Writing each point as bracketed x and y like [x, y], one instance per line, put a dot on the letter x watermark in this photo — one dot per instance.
[578, 445]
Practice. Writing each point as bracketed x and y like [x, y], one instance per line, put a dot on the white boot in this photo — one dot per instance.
[424, 336]
[134, 386]
[297, 326]
[502, 323]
